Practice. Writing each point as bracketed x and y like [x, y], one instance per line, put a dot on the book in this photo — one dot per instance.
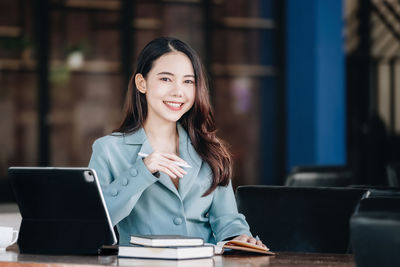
[165, 240]
[240, 246]
[205, 262]
[172, 253]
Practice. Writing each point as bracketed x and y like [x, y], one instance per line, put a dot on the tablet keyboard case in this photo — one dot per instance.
[62, 212]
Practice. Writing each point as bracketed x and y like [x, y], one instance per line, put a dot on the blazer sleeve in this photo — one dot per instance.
[224, 218]
[120, 193]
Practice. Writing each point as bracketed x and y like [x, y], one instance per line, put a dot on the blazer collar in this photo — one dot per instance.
[186, 149]
[136, 138]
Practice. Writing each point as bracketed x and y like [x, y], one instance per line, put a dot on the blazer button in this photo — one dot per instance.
[134, 172]
[113, 192]
[124, 182]
[178, 221]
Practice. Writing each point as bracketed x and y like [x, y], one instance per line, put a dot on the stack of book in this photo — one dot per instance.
[172, 247]
[175, 247]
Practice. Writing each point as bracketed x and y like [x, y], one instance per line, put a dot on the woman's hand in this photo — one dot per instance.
[251, 240]
[166, 163]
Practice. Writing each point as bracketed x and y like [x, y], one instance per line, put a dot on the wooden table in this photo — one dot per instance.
[11, 258]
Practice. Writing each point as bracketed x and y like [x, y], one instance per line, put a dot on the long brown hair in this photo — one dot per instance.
[198, 121]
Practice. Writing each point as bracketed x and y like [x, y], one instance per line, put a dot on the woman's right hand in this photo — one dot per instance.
[166, 163]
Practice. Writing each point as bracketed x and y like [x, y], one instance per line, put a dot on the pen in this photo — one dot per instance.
[143, 155]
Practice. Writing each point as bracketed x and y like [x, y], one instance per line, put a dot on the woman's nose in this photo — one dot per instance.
[177, 90]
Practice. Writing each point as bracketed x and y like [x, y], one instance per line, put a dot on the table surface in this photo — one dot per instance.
[11, 258]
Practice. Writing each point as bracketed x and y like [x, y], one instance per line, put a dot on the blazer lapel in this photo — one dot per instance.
[189, 154]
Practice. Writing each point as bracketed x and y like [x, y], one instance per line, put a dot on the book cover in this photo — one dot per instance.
[173, 253]
[205, 262]
[165, 240]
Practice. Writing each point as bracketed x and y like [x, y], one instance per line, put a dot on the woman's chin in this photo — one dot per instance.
[173, 118]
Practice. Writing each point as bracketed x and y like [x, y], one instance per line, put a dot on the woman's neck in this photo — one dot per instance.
[162, 136]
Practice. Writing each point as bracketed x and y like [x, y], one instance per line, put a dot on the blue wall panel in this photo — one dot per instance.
[300, 81]
[268, 98]
[315, 83]
[330, 118]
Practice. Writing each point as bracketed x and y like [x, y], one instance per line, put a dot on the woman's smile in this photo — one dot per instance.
[172, 105]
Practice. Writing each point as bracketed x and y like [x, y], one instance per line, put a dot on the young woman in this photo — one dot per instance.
[164, 171]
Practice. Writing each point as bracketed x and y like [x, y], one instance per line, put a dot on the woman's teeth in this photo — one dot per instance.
[175, 105]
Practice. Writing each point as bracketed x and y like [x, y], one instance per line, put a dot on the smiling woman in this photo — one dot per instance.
[164, 170]
[169, 86]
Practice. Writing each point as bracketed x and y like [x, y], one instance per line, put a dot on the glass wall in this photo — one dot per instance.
[89, 42]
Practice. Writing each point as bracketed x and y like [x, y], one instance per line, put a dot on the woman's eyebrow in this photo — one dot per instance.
[171, 74]
[165, 73]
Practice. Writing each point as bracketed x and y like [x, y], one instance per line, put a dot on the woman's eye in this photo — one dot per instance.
[189, 82]
[165, 79]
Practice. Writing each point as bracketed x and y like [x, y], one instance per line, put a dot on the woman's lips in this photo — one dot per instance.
[175, 106]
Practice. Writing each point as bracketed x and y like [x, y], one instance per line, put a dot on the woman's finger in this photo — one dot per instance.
[174, 157]
[173, 164]
[172, 168]
[170, 159]
[167, 171]
[252, 240]
[241, 238]
[157, 162]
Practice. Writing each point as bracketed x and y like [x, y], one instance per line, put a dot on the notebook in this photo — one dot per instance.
[236, 245]
[63, 211]
[165, 240]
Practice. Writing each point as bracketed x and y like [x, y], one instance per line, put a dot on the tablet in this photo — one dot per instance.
[63, 211]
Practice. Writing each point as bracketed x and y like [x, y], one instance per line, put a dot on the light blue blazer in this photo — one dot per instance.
[140, 203]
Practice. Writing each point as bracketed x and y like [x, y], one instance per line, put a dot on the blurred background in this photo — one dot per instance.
[293, 83]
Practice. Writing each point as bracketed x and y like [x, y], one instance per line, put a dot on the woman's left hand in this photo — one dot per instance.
[249, 239]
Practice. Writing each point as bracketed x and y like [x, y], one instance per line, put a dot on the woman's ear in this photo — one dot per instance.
[140, 83]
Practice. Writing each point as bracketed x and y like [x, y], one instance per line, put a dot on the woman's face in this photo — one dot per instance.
[170, 87]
